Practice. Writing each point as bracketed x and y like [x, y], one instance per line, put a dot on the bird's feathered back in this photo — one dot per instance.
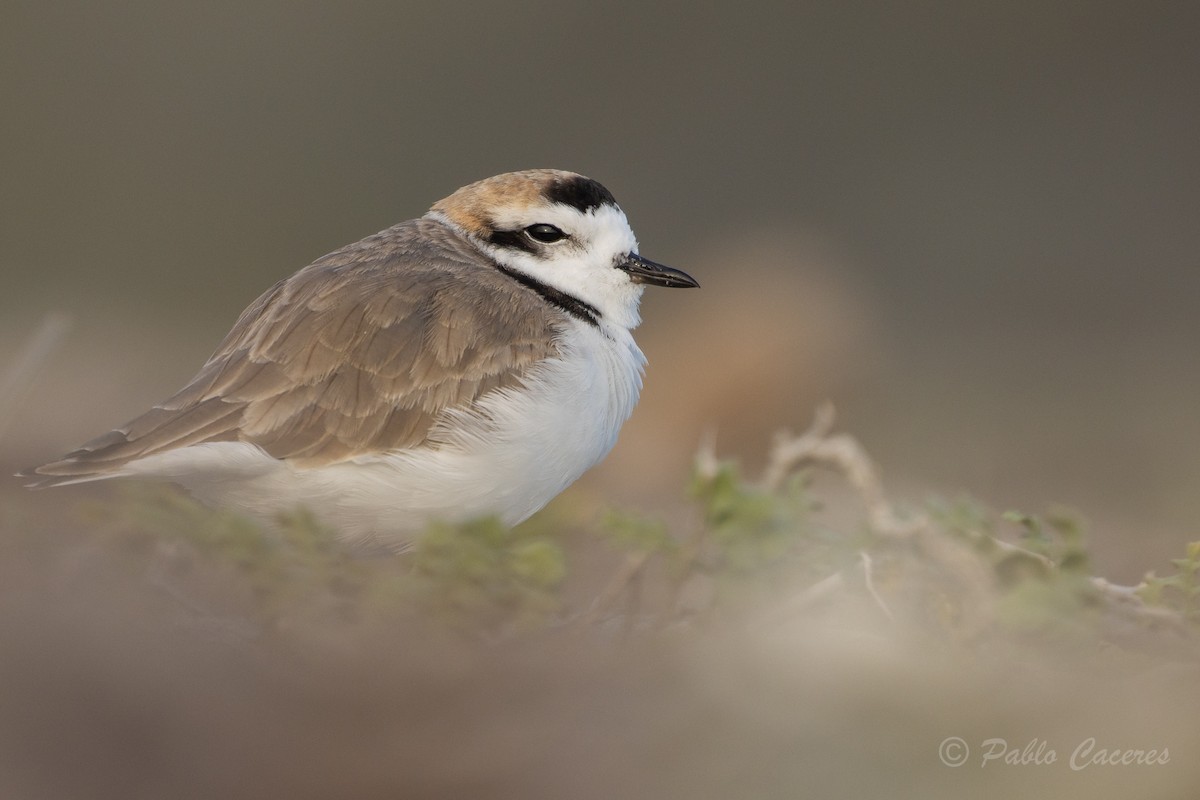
[357, 354]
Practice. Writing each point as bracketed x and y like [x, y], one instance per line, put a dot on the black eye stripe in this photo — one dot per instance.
[527, 239]
[515, 240]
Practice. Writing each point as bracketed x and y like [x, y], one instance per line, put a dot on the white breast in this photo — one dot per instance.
[509, 457]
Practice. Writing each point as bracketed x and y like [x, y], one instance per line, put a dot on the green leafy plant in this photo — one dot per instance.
[484, 574]
[1179, 592]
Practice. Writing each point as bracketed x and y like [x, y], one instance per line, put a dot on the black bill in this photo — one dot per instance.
[643, 270]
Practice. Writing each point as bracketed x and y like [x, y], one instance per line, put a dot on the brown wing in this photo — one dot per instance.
[357, 353]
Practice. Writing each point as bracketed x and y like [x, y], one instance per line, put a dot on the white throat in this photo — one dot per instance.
[583, 267]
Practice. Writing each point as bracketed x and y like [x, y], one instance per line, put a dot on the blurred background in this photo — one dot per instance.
[973, 227]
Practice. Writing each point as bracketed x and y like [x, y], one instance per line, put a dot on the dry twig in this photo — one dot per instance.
[18, 379]
[843, 453]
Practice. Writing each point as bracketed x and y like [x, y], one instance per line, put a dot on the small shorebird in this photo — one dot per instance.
[474, 361]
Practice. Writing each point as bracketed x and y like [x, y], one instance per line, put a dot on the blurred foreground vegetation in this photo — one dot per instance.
[793, 631]
[953, 570]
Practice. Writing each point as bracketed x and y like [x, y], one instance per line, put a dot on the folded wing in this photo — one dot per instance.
[357, 354]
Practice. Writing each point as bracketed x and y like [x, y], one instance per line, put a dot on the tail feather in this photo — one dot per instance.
[42, 481]
[109, 455]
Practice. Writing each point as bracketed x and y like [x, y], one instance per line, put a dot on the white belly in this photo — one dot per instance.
[509, 457]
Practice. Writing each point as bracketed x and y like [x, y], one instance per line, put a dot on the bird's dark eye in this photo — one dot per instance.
[546, 234]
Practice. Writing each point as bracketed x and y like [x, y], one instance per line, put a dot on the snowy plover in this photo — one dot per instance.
[475, 361]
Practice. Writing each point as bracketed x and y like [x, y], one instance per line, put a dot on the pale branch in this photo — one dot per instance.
[844, 454]
[37, 350]
[868, 571]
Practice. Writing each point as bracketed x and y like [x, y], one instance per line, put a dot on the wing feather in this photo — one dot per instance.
[359, 353]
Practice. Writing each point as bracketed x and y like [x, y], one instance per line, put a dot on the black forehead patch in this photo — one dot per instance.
[579, 192]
